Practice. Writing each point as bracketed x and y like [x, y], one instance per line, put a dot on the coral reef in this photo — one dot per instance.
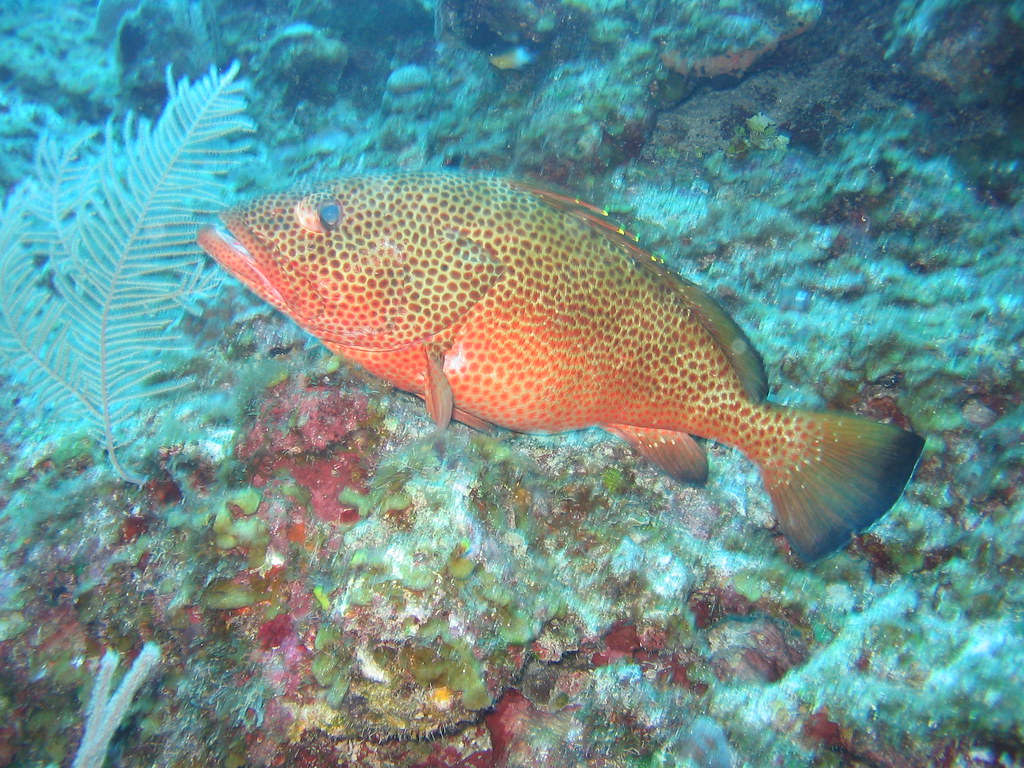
[331, 583]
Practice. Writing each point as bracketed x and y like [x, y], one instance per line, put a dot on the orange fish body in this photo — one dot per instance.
[504, 304]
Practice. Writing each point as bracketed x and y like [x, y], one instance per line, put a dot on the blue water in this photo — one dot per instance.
[231, 548]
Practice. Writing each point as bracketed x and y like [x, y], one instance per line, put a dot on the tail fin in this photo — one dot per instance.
[834, 476]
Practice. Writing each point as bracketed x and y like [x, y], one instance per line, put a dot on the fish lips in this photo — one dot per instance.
[237, 248]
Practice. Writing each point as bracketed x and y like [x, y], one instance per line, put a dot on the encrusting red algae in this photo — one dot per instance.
[501, 303]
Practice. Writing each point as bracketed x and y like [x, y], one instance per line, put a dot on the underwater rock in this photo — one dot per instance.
[406, 624]
[977, 414]
[970, 48]
[408, 79]
[309, 61]
[155, 36]
[753, 650]
[494, 25]
[729, 50]
[703, 744]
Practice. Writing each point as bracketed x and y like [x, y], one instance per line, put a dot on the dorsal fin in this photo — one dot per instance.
[597, 218]
[730, 338]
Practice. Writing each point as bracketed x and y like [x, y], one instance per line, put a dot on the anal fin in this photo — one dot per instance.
[678, 454]
[474, 421]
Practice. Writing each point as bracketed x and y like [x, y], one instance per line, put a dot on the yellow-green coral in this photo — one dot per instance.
[758, 132]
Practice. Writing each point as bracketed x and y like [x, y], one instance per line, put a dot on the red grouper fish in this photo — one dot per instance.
[500, 303]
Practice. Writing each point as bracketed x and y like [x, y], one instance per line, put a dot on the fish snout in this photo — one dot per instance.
[244, 255]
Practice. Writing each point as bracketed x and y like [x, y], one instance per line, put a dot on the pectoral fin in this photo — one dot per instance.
[678, 454]
[437, 391]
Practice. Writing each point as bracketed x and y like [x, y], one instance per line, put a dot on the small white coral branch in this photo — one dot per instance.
[105, 712]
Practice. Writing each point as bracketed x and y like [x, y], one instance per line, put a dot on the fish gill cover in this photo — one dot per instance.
[330, 583]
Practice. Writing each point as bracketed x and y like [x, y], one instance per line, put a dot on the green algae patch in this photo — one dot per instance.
[515, 627]
[461, 567]
[78, 450]
[327, 637]
[449, 664]
[249, 531]
[614, 480]
[245, 501]
[223, 540]
[418, 579]
[749, 585]
[466, 677]
[436, 628]
[329, 667]
[324, 669]
[228, 595]
[236, 525]
[428, 666]
[12, 624]
[382, 501]
[493, 591]
[361, 594]
[321, 597]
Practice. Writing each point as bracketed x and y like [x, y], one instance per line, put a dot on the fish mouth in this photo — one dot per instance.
[241, 253]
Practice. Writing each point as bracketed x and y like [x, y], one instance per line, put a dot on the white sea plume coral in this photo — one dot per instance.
[97, 255]
[107, 711]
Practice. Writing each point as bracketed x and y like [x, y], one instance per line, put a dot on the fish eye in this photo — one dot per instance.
[330, 216]
[322, 219]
